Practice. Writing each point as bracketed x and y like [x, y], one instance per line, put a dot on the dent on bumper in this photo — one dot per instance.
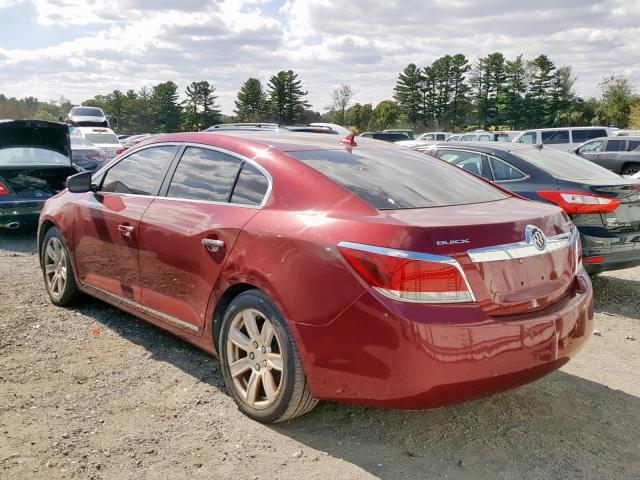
[385, 353]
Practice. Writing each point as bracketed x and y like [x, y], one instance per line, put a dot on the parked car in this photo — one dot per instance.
[87, 117]
[620, 154]
[35, 160]
[338, 129]
[625, 133]
[288, 256]
[481, 136]
[406, 131]
[86, 155]
[604, 206]
[134, 140]
[433, 136]
[242, 126]
[385, 136]
[565, 139]
[104, 138]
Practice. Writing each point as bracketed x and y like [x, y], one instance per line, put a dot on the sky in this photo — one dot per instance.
[80, 48]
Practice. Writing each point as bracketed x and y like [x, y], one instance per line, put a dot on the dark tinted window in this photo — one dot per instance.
[390, 137]
[204, 174]
[616, 146]
[633, 145]
[140, 173]
[502, 171]
[251, 186]
[580, 136]
[396, 178]
[555, 137]
[86, 112]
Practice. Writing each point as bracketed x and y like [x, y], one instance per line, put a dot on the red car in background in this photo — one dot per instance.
[316, 268]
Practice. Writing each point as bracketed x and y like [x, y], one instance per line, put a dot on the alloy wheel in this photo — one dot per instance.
[256, 362]
[55, 267]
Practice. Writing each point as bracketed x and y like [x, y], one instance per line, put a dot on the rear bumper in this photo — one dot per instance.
[385, 353]
[25, 212]
[613, 261]
[618, 252]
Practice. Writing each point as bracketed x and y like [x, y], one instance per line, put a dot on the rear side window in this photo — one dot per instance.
[555, 137]
[204, 174]
[469, 161]
[468, 138]
[396, 179]
[633, 145]
[251, 186]
[504, 172]
[580, 136]
[616, 146]
[484, 138]
[502, 137]
[140, 173]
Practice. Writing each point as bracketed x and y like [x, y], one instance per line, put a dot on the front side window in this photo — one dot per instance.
[204, 174]
[529, 137]
[140, 173]
[616, 146]
[595, 146]
[555, 137]
[470, 161]
[468, 138]
[251, 186]
[411, 179]
[502, 137]
[504, 172]
[484, 138]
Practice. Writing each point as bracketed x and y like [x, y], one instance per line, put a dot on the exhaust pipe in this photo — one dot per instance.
[13, 225]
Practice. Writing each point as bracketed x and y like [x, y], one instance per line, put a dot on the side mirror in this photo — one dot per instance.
[80, 183]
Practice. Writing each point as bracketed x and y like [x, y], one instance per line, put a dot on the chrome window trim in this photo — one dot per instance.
[488, 155]
[144, 308]
[493, 174]
[425, 257]
[524, 249]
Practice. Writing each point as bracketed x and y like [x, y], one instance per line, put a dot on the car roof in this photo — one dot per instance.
[485, 147]
[285, 141]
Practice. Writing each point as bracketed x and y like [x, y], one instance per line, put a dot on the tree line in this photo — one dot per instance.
[450, 94]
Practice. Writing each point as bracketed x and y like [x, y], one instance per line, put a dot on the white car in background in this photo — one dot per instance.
[427, 138]
[483, 136]
[101, 137]
[625, 133]
[339, 129]
[565, 139]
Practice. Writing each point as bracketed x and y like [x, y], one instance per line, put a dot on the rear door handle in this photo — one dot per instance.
[126, 230]
[212, 245]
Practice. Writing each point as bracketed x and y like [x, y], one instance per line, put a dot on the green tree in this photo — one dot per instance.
[617, 98]
[251, 104]
[165, 108]
[480, 89]
[386, 114]
[459, 104]
[360, 117]
[200, 109]
[540, 95]
[340, 99]
[286, 97]
[515, 92]
[408, 93]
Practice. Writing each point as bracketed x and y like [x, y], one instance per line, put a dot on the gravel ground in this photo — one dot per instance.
[94, 393]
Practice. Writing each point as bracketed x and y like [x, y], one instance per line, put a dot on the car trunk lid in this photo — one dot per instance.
[507, 274]
[625, 218]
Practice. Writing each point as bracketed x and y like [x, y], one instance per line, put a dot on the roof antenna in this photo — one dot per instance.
[349, 140]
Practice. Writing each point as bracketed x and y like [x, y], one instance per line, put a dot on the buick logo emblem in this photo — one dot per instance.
[536, 237]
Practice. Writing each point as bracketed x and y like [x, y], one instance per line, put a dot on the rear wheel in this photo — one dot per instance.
[260, 361]
[631, 169]
[56, 268]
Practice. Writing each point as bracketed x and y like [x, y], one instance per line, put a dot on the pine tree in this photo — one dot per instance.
[165, 107]
[540, 98]
[515, 93]
[252, 103]
[200, 106]
[286, 97]
[459, 90]
[495, 87]
[408, 93]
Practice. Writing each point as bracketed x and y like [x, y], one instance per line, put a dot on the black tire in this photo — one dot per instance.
[69, 293]
[293, 398]
[631, 169]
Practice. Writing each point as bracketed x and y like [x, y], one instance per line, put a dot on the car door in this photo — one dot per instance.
[613, 155]
[188, 231]
[591, 151]
[106, 227]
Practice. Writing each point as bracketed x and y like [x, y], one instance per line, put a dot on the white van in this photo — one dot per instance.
[482, 136]
[101, 137]
[565, 139]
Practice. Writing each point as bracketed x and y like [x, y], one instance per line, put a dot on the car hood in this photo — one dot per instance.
[35, 133]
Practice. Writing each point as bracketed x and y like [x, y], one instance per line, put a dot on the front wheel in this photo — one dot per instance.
[56, 268]
[260, 362]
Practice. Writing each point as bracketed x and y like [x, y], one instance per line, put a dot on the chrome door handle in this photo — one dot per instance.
[125, 230]
[212, 245]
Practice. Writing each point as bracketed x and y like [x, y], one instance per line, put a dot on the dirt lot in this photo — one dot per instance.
[95, 393]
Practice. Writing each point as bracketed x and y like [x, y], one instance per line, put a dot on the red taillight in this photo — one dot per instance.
[119, 151]
[3, 189]
[408, 276]
[580, 202]
[593, 260]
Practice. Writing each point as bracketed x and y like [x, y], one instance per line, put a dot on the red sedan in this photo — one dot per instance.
[320, 269]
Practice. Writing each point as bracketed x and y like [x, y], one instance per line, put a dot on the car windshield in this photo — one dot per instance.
[392, 179]
[86, 112]
[32, 157]
[102, 138]
[564, 165]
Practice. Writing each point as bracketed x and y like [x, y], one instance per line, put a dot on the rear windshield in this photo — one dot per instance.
[86, 112]
[102, 138]
[392, 179]
[32, 157]
[564, 165]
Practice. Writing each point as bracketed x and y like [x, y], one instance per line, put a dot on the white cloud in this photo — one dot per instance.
[130, 43]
